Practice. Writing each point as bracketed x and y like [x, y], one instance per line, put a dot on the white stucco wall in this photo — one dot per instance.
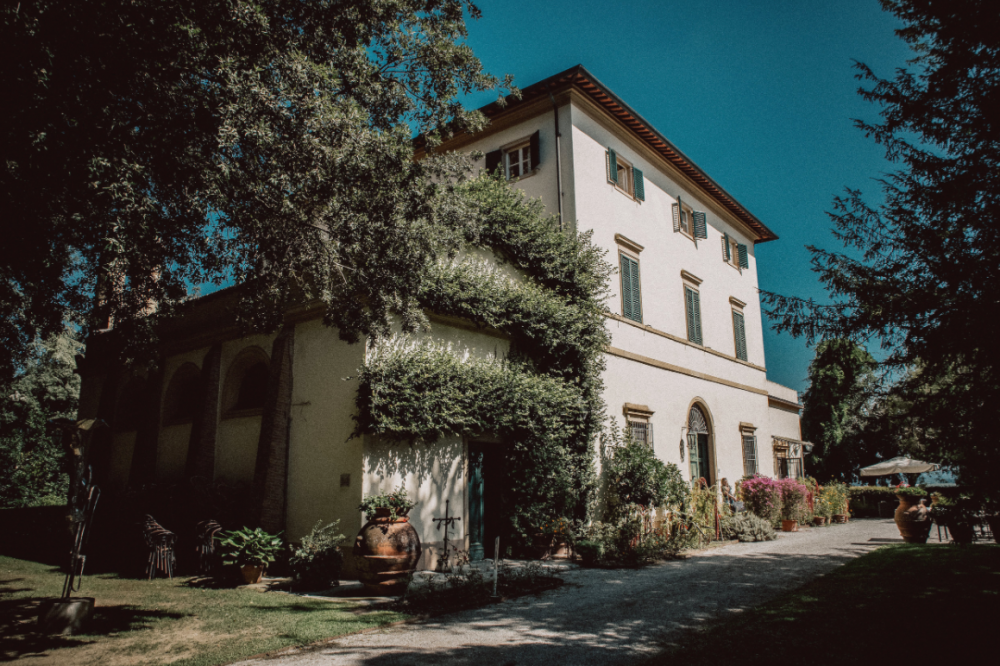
[432, 473]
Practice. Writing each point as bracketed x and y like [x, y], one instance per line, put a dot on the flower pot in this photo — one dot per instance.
[551, 547]
[252, 573]
[994, 523]
[961, 533]
[912, 519]
[819, 520]
[839, 518]
[789, 526]
[386, 553]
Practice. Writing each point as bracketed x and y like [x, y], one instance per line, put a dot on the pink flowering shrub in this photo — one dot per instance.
[762, 497]
[794, 500]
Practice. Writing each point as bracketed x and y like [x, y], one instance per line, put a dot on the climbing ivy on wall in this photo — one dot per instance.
[544, 400]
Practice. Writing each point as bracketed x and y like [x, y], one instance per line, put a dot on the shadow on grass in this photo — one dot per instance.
[18, 623]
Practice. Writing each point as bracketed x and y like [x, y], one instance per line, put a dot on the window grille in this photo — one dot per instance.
[749, 455]
[641, 431]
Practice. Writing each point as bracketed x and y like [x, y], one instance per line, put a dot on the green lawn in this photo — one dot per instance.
[933, 603]
[159, 622]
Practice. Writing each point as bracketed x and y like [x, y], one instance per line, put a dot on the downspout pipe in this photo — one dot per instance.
[555, 114]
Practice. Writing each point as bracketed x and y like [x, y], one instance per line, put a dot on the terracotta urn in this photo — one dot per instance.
[819, 520]
[789, 526]
[386, 552]
[912, 519]
[252, 573]
[839, 518]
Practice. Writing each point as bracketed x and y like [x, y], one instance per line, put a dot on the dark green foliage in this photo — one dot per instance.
[397, 502]
[923, 276]
[317, 559]
[840, 382]
[151, 145]
[747, 527]
[428, 393]
[635, 476]
[249, 547]
[590, 551]
[543, 401]
[31, 453]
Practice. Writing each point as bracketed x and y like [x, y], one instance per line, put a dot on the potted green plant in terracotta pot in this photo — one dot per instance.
[251, 550]
[387, 548]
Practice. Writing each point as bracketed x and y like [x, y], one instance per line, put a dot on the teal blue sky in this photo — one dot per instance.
[761, 95]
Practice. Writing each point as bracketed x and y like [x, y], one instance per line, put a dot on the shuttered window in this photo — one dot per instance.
[749, 454]
[744, 262]
[740, 335]
[641, 432]
[627, 178]
[692, 304]
[700, 225]
[631, 295]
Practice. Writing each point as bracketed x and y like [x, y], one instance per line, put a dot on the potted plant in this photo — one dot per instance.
[318, 560]
[794, 507]
[387, 548]
[959, 515]
[912, 517]
[835, 495]
[553, 540]
[251, 550]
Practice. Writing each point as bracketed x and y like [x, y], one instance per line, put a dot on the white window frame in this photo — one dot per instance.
[523, 151]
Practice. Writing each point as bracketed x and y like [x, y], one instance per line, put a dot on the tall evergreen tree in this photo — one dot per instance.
[924, 274]
[834, 409]
[151, 145]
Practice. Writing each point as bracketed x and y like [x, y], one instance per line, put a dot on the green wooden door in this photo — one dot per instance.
[698, 452]
[477, 506]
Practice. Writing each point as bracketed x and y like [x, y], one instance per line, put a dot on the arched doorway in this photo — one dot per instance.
[698, 445]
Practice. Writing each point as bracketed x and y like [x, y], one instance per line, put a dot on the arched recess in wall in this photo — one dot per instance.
[701, 442]
[181, 402]
[129, 407]
[246, 384]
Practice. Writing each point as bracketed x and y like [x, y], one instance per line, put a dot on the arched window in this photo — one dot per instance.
[698, 445]
[183, 392]
[246, 383]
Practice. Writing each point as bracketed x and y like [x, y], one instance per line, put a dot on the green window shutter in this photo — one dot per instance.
[726, 256]
[636, 293]
[640, 190]
[697, 316]
[740, 334]
[536, 150]
[700, 225]
[677, 217]
[693, 307]
[631, 296]
[626, 270]
[493, 159]
[612, 166]
[742, 249]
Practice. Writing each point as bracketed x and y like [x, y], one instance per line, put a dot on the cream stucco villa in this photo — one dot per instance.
[685, 367]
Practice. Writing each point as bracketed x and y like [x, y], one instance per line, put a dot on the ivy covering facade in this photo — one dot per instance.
[543, 401]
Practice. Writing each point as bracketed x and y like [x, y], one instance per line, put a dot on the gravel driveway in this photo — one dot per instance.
[609, 617]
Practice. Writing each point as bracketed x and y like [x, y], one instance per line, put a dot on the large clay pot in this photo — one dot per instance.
[386, 553]
[252, 573]
[912, 519]
[839, 518]
[789, 526]
[819, 520]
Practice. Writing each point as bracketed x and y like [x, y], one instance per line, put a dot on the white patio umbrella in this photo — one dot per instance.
[899, 464]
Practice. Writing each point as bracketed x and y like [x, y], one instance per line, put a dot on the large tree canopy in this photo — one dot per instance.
[923, 273]
[834, 409]
[149, 145]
